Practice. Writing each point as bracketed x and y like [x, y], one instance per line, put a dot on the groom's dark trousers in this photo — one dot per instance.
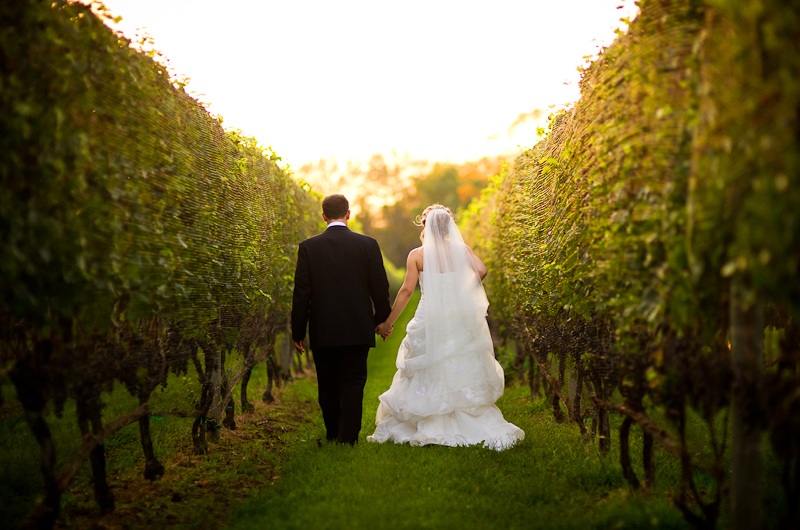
[338, 280]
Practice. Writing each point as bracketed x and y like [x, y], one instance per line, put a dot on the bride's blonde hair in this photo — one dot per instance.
[420, 220]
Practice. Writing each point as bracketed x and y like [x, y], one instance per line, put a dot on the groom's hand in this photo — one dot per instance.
[300, 345]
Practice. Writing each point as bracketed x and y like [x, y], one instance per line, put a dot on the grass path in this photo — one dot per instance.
[272, 473]
[551, 480]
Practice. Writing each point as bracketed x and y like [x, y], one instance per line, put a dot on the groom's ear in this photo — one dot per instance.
[324, 217]
[347, 218]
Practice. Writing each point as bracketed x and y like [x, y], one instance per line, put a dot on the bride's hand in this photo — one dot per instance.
[384, 330]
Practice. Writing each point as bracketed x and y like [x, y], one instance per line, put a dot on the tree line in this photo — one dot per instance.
[390, 192]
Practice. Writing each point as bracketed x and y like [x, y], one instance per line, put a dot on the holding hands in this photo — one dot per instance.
[384, 329]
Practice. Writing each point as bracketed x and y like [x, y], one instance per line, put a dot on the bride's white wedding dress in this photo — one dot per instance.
[447, 378]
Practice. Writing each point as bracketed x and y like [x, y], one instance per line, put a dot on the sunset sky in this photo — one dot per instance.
[435, 79]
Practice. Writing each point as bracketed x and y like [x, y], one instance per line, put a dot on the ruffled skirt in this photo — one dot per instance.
[447, 398]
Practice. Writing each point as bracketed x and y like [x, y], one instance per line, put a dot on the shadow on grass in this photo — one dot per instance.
[195, 491]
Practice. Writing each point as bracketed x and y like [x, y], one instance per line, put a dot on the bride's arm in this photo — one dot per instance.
[405, 292]
[477, 264]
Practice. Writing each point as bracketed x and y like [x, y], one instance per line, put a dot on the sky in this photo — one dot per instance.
[434, 79]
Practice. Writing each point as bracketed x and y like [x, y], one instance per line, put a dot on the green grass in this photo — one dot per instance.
[274, 472]
[550, 480]
[243, 460]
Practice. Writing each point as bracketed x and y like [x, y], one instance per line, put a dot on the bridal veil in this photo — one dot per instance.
[455, 301]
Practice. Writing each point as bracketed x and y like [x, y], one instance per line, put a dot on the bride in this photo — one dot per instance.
[447, 378]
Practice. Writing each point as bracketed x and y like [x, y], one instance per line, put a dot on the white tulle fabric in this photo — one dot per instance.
[447, 378]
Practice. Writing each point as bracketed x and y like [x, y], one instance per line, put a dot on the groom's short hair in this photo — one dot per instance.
[335, 206]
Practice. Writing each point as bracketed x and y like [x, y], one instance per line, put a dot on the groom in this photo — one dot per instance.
[339, 279]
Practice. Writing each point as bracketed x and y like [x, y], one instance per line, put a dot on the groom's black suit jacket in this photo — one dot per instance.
[339, 277]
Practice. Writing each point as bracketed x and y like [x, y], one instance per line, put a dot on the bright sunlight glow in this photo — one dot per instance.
[434, 79]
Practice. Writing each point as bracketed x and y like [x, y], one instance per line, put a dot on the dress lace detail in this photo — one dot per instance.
[446, 400]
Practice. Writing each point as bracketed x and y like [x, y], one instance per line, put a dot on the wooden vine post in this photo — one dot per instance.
[747, 357]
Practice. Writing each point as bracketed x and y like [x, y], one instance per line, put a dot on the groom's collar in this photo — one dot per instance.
[336, 223]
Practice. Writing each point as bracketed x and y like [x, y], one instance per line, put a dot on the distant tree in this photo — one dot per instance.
[440, 186]
[398, 234]
[387, 195]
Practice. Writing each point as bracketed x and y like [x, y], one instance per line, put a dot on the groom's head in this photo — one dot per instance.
[335, 207]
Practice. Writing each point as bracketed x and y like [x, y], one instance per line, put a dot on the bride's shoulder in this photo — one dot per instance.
[415, 256]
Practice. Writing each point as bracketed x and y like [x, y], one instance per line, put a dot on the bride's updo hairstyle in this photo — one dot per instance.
[420, 220]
